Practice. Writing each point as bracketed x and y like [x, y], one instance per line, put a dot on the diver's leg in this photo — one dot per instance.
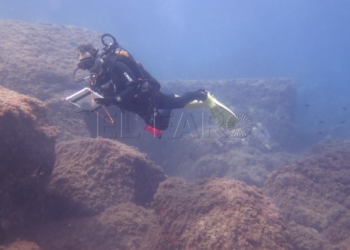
[158, 119]
[164, 118]
[178, 102]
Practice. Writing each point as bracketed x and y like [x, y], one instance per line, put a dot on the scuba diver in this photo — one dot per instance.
[122, 81]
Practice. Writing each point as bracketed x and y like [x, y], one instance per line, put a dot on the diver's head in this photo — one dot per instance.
[90, 60]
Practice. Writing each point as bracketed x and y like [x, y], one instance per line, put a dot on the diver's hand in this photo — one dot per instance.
[107, 101]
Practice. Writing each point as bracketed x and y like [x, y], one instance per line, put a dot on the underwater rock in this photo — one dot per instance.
[313, 195]
[270, 103]
[194, 147]
[225, 157]
[21, 245]
[69, 123]
[248, 165]
[121, 226]
[27, 153]
[217, 214]
[93, 174]
[38, 59]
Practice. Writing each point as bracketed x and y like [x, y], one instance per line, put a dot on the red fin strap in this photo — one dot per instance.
[154, 131]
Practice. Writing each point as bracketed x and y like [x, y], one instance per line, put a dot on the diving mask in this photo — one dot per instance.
[94, 65]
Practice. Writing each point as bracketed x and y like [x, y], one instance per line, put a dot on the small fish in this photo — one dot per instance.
[307, 105]
[321, 121]
[320, 132]
[344, 108]
[343, 121]
[37, 173]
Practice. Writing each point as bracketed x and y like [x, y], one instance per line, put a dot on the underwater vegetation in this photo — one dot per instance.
[62, 188]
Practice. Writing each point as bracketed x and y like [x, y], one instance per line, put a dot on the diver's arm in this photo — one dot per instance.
[128, 80]
[126, 93]
[129, 91]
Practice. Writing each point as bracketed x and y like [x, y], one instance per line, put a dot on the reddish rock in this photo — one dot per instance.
[217, 214]
[314, 197]
[27, 153]
[123, 226]
[21, 245]
[93, 174]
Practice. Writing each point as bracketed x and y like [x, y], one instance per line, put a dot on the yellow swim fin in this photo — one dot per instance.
[195, 105]
[222, 115]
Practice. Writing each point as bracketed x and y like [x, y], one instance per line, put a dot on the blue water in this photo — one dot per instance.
[307, 40]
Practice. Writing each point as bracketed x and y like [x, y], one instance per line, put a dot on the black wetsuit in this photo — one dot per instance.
[123, 76]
